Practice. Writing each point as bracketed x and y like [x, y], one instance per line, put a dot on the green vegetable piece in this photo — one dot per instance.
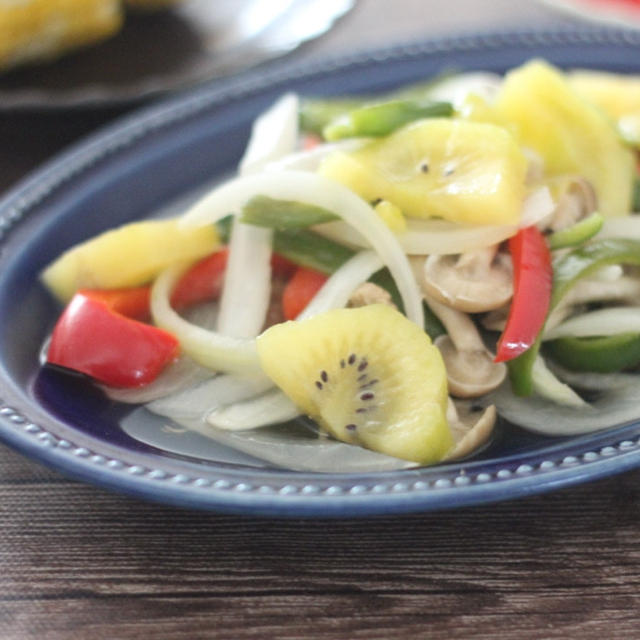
[315, 114]
[381, 118]
[576, 234]
[635, 202]
[224, 228]
[567, 270]
[310, 249]
[604, 354]
[263, 211]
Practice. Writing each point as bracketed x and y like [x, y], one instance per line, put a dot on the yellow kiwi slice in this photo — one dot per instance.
[468, 172]
[368, 376]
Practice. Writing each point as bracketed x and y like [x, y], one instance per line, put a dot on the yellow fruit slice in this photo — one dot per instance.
[128, 256]
[453, 169]
[616, 94]
[570, 134]
[368, 376]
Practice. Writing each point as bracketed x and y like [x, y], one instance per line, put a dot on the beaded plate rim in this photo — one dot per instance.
[282, 493]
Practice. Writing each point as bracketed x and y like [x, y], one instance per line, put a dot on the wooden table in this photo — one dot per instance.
[77, 562]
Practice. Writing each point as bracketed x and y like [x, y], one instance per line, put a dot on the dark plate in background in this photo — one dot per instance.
[159, 155]
[156, 53]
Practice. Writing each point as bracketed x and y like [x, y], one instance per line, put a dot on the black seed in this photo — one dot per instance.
[363, 377]
[376, 202]
[318, 384]
[363, 365]
[424, 167]
[369, 384]
[367, 396]
[342, 364]
[324, 376]
[362, 410]
[351, 427]
[352, 358]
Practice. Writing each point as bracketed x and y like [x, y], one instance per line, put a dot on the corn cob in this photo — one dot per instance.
[34, 30]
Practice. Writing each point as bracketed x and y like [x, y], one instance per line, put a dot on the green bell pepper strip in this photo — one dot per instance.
[567, 270]
[604, 354]
[263, 211]
[381, 118]
[316, 113]
[635, 198]
[576, 234]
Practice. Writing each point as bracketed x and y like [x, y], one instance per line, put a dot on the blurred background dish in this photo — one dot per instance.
[200, 40]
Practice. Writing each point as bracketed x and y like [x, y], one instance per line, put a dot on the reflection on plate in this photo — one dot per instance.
[170, 50]
[161, 155]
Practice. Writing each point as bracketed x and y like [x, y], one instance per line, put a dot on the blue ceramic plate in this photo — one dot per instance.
[163, 154]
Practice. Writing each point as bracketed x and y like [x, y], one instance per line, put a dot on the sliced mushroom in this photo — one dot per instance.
[496, 320]
[369, 293]
[577, 199]
[471, 371]
[469, 428]
[473, 282]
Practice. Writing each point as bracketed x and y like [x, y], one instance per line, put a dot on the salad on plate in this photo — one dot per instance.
[387, 275]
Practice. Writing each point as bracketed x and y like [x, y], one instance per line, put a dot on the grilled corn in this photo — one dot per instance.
[39, 30]
[44, 29]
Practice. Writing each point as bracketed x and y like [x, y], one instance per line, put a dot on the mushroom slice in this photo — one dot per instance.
[473, 282]
[471, 371]
[369, 293]
[469, 428]
[577, 199]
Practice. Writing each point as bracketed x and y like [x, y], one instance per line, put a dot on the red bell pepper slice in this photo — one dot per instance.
[299, 291]
[532, 280]
[204, 280]
[132, 302]
[91, 338]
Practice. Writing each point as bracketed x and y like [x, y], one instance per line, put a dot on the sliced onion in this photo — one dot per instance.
[197, 401]
[247, 283]
[441, 237]
[337, 290]
[621, 227]
[181, 374]
[310, 159]
[616, 406]
[457, 88]
[208, 348]
[274, 134]
[603, 322]
[547, 386]
[322, 192]
[270, 408]
[294, 448]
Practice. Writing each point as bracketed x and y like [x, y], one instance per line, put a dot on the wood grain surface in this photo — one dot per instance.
[77, 562]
